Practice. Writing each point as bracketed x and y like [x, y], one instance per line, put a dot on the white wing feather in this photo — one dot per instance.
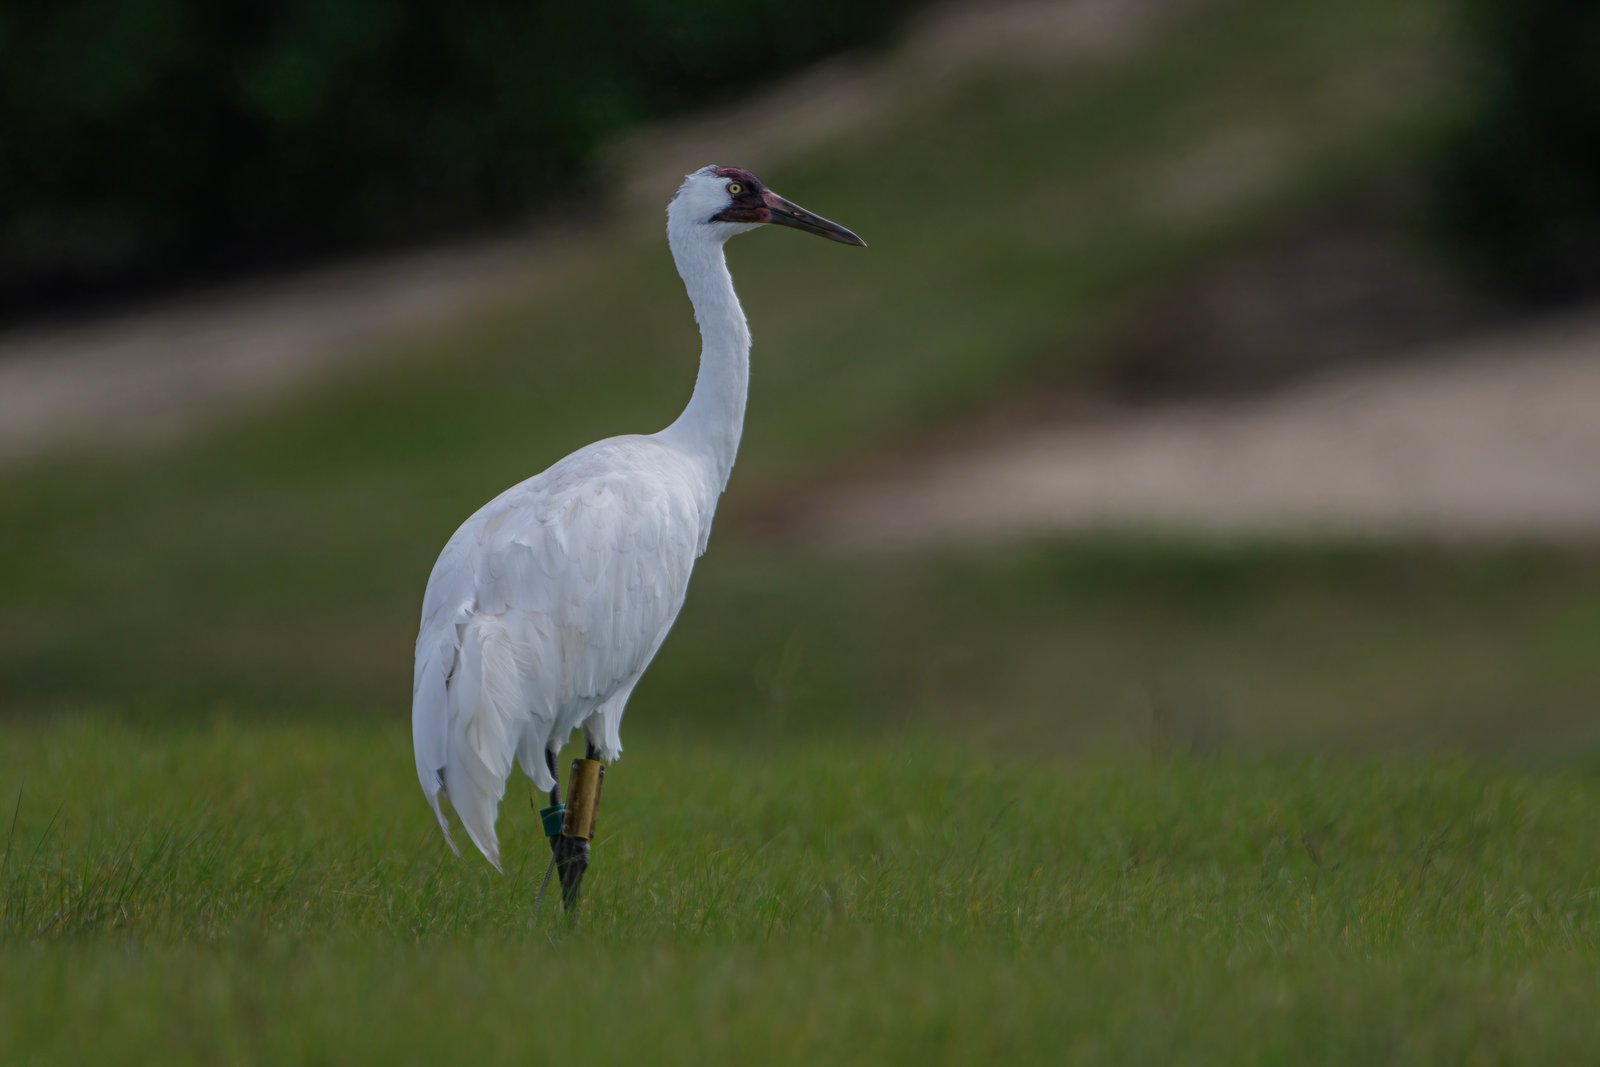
[542, 612]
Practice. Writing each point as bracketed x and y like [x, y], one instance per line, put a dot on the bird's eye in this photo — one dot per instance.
[734, 188]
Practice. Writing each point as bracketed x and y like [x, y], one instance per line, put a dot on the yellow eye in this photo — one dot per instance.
[734, 188]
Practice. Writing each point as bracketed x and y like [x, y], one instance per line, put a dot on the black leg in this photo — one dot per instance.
[572, 860]
[550, 824]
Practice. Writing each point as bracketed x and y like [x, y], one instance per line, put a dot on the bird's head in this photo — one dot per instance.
[731, 200]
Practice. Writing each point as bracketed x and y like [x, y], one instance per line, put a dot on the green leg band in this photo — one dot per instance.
[551, 819]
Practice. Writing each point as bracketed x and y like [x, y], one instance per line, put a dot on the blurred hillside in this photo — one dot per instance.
[1025, 211]
[1095, 168]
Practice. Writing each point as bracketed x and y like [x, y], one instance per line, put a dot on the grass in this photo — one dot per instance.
[888, 902]
[1060, 803]
[1059, 645]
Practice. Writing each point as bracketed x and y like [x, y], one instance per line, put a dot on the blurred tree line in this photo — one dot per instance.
[1518, 184]
[149, 142]
[153, 141]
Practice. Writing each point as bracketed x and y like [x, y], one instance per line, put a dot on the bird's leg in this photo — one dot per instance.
[550, 817]
[583, 802]
[550, 820]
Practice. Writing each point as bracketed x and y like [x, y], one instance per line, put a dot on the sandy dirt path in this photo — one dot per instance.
[158, 372]
[1498, 439]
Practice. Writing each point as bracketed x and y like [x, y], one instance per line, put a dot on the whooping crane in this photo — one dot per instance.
[547, 605]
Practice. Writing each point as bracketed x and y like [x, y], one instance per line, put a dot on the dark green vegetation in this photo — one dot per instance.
[1518, 184]
[158, 140]
[242, 137]
[1118, 801]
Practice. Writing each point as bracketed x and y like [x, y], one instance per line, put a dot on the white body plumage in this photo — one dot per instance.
[541, 614]
[547, 605]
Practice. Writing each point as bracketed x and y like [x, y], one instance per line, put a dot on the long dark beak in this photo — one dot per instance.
[787, 214]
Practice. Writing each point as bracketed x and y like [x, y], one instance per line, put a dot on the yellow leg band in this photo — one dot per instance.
[583, 798]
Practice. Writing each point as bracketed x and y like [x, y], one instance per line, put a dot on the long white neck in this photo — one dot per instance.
[710, 426]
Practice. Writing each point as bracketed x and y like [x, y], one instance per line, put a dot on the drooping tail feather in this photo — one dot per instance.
[491, 719]
[429, 725]
[438, 813]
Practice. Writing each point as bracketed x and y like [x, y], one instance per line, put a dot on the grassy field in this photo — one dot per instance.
[1116, 800]
[1113, 803]
[238, 892]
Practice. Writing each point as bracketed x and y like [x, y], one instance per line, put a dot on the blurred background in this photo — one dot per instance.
[1221, 374]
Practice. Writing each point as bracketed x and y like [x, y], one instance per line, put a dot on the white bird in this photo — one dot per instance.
[547, 605]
